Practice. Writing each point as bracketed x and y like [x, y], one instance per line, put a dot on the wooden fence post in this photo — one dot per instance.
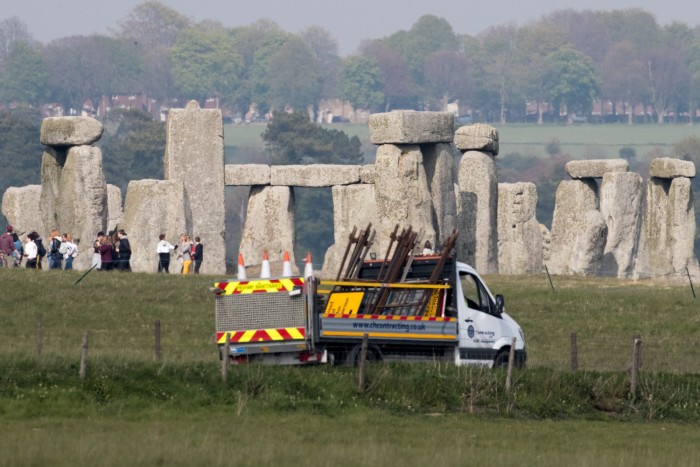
[84, 355]
[39, 333]
[363, 357]
[157, 338]
[225, 358]
[636, 364]
[574, 352]
[511, 361]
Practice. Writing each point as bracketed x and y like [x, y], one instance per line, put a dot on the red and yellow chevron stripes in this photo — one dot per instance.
[262, 335]
[391, 318]
[259, 286]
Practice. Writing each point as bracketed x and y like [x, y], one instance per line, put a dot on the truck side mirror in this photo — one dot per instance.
[500, 304]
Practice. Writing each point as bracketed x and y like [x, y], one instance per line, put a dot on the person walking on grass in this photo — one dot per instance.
[69, 251]
[30, 251]
[124, 249]
[198, 256]
[105, 250]
[55, 255]
[7, 247]
[163, 249]
[186, 253]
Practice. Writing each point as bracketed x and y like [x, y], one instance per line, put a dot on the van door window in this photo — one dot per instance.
[475, 295]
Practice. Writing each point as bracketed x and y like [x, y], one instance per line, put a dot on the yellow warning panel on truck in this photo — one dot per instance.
[344, 303]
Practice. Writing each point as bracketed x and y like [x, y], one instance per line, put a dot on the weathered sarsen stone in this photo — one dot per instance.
[20, 205]
[81, 205]
[589, 244]
[574, 199]
[314, 175]
[621, 195]
[70, 131]
[519, 235]
[478, 216]
[595, 168]
[401, 190]
[439, 163]
[477, 137]
[667, 167]
[52, 161]
[247, 174]
[411, 127]
[151, 208]
[353, 206]
[115, 210]
[194, 155]
[270, 224]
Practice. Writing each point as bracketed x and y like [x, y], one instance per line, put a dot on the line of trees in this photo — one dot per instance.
[558, 65]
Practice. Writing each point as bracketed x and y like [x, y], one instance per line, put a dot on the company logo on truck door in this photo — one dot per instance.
[262, 335]
[260, 286]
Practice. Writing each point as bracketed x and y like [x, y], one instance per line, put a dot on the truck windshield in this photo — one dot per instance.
[475, 295]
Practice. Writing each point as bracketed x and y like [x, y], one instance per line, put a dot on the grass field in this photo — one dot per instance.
[132, 410]
[579, 141]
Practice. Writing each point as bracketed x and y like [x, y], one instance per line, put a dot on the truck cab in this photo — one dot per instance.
[485, 329]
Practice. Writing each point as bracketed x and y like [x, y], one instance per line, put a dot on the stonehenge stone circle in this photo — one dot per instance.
[151, 208]
[477, 137]
[520, 239]
[70, 131]
[595, 168]
[478, 215]
[194, 155]
[411, 127]
[621, 196]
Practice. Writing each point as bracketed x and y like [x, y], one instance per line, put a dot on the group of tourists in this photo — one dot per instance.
[60, 254]
[188, 252]
[110, 252]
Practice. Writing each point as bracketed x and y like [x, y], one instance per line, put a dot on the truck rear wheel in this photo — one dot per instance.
[374, 355]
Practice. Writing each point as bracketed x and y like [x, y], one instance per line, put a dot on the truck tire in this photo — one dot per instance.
[374, 355]
[501, 360]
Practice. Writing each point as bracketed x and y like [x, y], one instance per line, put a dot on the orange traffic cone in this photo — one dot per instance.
[265, 269]
[308, 267]
[241, 268]
[286, 266]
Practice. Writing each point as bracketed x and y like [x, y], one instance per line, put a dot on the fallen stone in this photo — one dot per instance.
[621, 195]
[477, 217]
[70, 131]
[194, 155]
[667, 167]
[595, 168]
[520, 238]
[151, 208]
[247, 174]
[20, 206]
[269, 225]
[353, 206]
[411, 127]
[315, 175]
[477, 137]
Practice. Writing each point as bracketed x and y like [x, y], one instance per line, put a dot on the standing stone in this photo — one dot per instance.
[439, 162]
[269, 225]
[621, 195]
[115, 212]
[546, 243]
[194, 155]
[353, 206]
[519, 235]
[587, 252]
[52, 162]
[574, 199]
[21, 208]
[151, 208]
[478, 219]
[401, 190]
[81, 205]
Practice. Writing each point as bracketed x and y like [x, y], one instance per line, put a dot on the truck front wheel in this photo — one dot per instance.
[501, 360]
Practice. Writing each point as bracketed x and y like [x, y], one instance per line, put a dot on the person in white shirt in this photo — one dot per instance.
[164, 248]
[30, 251]
[69, 250]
